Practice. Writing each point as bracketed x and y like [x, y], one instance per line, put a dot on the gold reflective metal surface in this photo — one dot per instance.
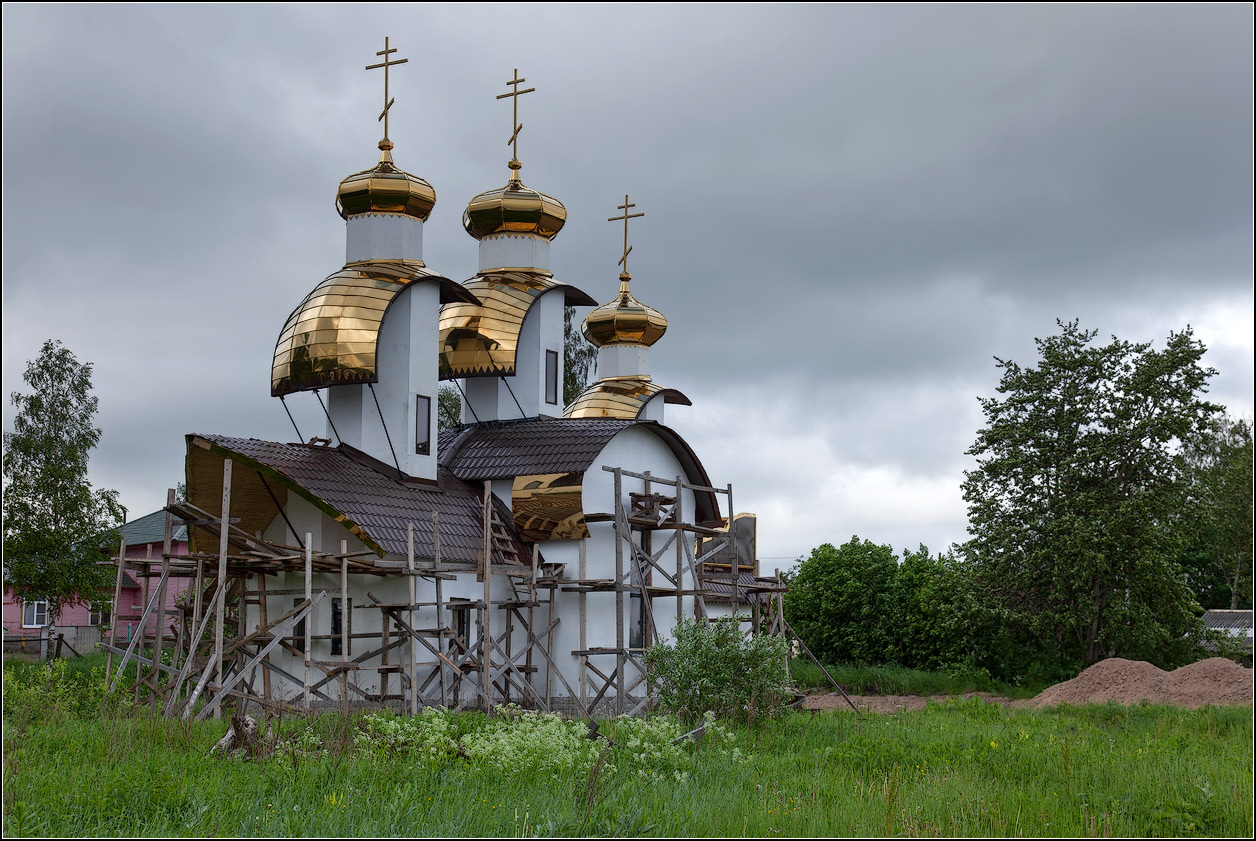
[548, 507]
[481, 340]
[385, 189]
[514, 209]
[625, 320]
[619, 397]
[330, 338]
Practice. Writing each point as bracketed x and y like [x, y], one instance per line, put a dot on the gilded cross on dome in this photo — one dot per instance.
[516, 126]
[623, 261]
[386, 63]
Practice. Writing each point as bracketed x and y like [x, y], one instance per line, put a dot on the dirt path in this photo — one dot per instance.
[1215, 681]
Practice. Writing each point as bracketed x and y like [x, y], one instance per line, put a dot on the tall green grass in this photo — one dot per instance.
[964, 768]
[897, 680]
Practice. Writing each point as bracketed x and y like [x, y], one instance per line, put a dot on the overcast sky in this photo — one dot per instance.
[850, 210]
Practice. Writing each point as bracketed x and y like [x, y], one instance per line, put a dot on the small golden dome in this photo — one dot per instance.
[624, 321]
[385, 189]
[514, 209]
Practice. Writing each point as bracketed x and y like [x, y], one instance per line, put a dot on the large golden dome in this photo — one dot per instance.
[514, 209]
[624, 321]
[385, 189]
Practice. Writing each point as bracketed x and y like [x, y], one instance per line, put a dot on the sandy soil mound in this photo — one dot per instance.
[1215, 681]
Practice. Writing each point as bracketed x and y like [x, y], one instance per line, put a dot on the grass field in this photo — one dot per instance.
[961, 768]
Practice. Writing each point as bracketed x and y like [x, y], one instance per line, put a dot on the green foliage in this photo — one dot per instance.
[841, 600]
[579, 356]
[54, 691]
[713, 667]
[1075, 507]
[965, 769]
[448, 408]
[1218, 559]
[54, 523]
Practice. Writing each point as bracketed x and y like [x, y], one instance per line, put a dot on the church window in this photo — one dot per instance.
[422, 424]
[337, 618]
[551, 376]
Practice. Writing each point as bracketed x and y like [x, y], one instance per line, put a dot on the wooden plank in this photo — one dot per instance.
[309, 562]
[220, 612]
[187, 662]
[620, 537]
[134, 642]
[117, 597]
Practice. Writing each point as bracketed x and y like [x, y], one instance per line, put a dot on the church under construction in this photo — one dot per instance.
[528, 555]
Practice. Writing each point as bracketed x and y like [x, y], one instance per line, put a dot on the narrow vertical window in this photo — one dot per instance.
[337, 618]
[422, 424]
[551, 376]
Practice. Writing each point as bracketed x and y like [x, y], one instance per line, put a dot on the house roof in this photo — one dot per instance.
[526, 448]
[1228, 619]
[151, 528]
[364, 495]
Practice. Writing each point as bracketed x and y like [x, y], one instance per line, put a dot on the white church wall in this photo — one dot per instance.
[524, 394]
[514, 251]
[407, 369]
[639, 450]
[383, 236]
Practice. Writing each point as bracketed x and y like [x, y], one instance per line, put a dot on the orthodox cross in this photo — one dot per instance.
[516, 126]
[386, 63]
[627, 248]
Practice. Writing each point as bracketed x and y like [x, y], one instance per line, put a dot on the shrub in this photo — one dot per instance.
[712, 666]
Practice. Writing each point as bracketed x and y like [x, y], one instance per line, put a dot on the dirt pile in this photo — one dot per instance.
[1215, 681]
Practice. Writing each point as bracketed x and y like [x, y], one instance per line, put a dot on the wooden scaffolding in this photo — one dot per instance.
[205, 650]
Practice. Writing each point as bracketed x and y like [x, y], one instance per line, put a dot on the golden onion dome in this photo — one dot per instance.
[385, 189]
[514, 209]
[624, 321]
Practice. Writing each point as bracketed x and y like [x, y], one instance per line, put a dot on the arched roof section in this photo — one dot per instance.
[331, 337]
[547, 460]
[620, 397]
[481, 339]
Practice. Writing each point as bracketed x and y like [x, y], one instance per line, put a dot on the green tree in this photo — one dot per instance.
[1075, 506]
[579, 356]
[840, 603]
[54, 523]
[448, 408]
[1219, 559]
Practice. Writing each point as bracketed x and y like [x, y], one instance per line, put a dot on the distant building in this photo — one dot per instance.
[24, 622]
[1235, 623]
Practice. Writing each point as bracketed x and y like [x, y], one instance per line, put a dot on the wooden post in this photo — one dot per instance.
[486, 617]
[117, 598]
[344, 617]
[144, 597]
[527, 662]
[678, 513]
[167, 539]
[224, 527]
[264, 619]
[414, 652]
[442, 646]
[309, 617]
[734, 569]
[620, 525]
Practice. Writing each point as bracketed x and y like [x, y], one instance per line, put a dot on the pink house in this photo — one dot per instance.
[81, 624]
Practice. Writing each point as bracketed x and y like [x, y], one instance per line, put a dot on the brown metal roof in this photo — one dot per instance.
[365, 496]
[504, 450]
